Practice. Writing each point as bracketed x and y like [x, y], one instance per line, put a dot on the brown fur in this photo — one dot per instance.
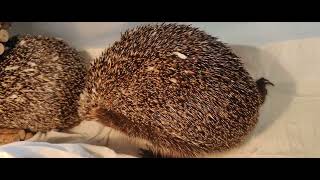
[41, 79]
[178, 88]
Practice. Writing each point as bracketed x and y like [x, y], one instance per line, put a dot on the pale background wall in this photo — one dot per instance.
[99, 34]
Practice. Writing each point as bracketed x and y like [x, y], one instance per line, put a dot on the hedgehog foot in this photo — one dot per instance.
[261, 84]
[149, 154]
[13, 135]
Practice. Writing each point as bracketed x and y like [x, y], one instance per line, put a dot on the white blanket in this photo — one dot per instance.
[289, 125]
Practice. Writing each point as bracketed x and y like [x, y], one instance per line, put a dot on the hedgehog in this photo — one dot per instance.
[174, 90]
[41, 79]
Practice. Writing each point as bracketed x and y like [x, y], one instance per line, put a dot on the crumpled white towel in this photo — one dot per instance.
[30, 149]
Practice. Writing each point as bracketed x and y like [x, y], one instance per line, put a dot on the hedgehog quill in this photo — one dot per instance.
[175, 90]
[41, 79]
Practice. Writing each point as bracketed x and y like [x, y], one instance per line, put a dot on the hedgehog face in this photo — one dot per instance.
[87, 105]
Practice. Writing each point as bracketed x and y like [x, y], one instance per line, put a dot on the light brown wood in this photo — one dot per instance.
[5, 25]
[1, 48]
[4, 35]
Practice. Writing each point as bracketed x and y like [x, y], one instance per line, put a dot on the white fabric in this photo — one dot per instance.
[46, 150]
[289, 124]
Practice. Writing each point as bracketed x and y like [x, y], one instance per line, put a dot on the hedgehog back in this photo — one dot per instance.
[175, 86]
[41, 79]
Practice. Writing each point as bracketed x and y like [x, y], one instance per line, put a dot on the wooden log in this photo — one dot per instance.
[5, 25]
[2, 48]
[4, 35]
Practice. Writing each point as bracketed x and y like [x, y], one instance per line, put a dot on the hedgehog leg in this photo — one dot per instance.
[149, 154]
[29, 134]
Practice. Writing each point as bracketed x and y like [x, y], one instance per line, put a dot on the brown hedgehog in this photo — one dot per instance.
[175, 88]
[41, 79]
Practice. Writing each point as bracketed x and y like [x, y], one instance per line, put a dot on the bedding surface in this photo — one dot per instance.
[289, 124]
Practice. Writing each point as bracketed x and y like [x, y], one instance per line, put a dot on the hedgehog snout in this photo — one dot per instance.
[87, 107]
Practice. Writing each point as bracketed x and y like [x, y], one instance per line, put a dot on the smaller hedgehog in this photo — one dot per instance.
[41, 79]
[175, 89]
